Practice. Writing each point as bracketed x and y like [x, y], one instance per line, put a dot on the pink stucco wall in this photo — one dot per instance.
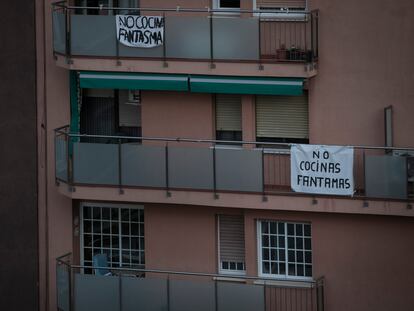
[177, 114]
[365, 64]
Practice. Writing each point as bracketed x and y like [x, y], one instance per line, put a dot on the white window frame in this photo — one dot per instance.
[220, 269]
[105, 205]
[259, 253]
[282, 15]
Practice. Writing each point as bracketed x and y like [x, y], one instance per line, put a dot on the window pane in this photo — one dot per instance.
[106, 241]
[265, 254]
[281, 228]
[308, 245]
[300, 270]
[124, 214]
[96, 240]
[134, 229]
[308, 270]
[114, 213]
[299, 243]
[125, 228]
[115, 241]
[106, 213]
[281, 241]
[106, 227]
[134, 243]
[273, 241]
[273, 228]
[115, 228]
[96, 213]
[134, 215]
[299, 256]
[291, 269]
[229, 3]
[307, 230]
[87, 213]
[273, 254]
[87, 240]
[265, 227]
[125, 243]
[291, 229]
[96, 227]
[308, 257]
[87, 226]
[282, 268]
[266, 267]
[265, 241]
[282, 256]
[274, 268]
[291, 256]
[87, 255]
[299, 229]
[291, 243]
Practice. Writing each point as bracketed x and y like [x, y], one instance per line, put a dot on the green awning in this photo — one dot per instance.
[246, 85]
[133, 81]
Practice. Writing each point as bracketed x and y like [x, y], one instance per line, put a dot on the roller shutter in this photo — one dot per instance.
[275, 4]
[228, 112]
[231, 229]
[282, 117]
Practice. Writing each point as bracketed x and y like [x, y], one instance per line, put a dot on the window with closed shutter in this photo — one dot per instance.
[228, 117]
[231, 244]
[281, 4]
[282, 118]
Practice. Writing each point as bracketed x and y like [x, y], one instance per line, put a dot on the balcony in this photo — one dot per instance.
[144, 289]
[272, 43]
[208, 166]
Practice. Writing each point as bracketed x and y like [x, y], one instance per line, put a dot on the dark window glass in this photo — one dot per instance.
[230, 4]
[299, 230]
[291, 229]
[266, 267]
[281, 228]
[106, 213]
[299, 270]
[308, 244]
[265, 253]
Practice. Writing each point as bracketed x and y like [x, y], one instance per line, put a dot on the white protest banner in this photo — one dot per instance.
[322, 169]
[140, 31]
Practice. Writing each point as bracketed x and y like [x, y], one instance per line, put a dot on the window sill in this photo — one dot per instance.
[286, 283]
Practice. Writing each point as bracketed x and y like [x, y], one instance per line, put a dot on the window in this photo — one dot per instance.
[228, 117]
[282, 119]
[227, 4]
[285, 249]
[117, 231]
[231, 244]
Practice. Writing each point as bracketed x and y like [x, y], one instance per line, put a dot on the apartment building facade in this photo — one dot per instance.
[169, 131]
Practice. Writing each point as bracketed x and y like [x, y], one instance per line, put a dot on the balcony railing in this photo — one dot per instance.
[208, 165]
[191, 34]
[143, 289]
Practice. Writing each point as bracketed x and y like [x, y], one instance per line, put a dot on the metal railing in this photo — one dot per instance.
[208, 165]
[78, 288]
[260, 36]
